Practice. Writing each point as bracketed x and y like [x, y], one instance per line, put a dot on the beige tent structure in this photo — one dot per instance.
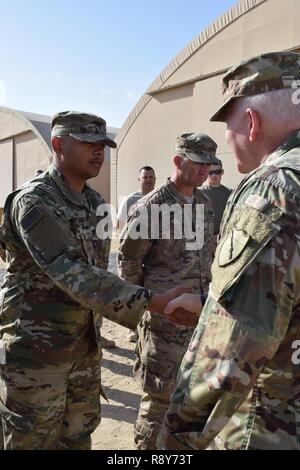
[187, 92]
[25, 148]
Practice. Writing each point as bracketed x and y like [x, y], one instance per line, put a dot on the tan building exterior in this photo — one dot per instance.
[187, 91]
[25, 148]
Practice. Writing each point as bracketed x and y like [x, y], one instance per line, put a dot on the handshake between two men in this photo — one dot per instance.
[178, 305]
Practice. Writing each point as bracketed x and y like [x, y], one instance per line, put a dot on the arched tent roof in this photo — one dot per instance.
[163, 80]
[24, 148]
[42, 124]
[18, 122]
[187, 91]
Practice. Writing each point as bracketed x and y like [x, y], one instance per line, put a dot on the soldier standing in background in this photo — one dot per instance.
[54, 295]
[218, 194]
[160, 264]
[146, 181]
[239, 383]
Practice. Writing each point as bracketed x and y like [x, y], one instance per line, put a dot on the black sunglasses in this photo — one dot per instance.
[215, 172]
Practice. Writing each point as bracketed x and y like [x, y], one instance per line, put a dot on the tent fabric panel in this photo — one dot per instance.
[29, 156]
[44, 129]
[6, 174]
[152, 139]
[206, 98]
[11, 125]
[267, 25]
[211, 31]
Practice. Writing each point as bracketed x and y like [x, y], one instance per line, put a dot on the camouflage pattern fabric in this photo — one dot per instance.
[161, 264]
[2, 250]
[261, 74]
[2, 254]
[81, 126]
[56, 289]
[197, 147]
[239, 382]
[56, 417]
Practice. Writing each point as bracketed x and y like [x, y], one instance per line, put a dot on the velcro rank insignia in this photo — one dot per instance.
[257, 202]
[31, 218]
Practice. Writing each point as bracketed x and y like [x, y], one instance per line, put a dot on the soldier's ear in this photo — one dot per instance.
[56, 144]
[177, 161]
[254, 124]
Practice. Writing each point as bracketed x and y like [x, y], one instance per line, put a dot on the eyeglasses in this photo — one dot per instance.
[215, 172]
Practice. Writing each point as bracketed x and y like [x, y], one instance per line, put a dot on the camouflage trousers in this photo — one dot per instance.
[49, 406]
[160, 350]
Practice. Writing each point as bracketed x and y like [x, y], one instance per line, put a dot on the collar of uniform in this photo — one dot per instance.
[79, 199]
[175, 193]
[277, 159]
[292, 161]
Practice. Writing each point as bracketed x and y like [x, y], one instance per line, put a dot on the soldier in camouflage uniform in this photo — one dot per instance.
[160, 264]
[55, 293]
[2, 254]
[239, 383]
[2, 250]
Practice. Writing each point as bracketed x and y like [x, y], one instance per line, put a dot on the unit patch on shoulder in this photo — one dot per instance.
[232, 246]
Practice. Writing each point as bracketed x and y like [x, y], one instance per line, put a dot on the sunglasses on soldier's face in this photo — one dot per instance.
[215, 172]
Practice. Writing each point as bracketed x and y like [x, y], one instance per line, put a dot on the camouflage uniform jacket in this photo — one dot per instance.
[239, 382]
[162, 264]
[56, 274]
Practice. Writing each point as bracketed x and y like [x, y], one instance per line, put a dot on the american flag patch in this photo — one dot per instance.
[31, 218]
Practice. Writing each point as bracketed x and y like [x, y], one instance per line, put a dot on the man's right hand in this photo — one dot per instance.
[159, 302]
[190, 302]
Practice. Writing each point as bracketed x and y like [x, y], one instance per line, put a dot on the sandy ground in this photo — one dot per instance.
[119, 415]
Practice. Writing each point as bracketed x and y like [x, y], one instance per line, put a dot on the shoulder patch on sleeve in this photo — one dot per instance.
[44, 233]
[31, 218]
[232, 246]
[248, 233]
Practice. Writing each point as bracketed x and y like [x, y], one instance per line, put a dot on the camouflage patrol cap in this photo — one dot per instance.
[261, 74]
[197, 147]
[81, 126]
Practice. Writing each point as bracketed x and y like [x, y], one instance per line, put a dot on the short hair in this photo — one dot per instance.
[146, 168]
[276, 106]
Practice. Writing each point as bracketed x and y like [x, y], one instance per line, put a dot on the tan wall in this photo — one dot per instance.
[22, 151]
[151, 140]
[207, 96]
[272, 25]
[11, 125]
[29, 156]
[6, 174]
